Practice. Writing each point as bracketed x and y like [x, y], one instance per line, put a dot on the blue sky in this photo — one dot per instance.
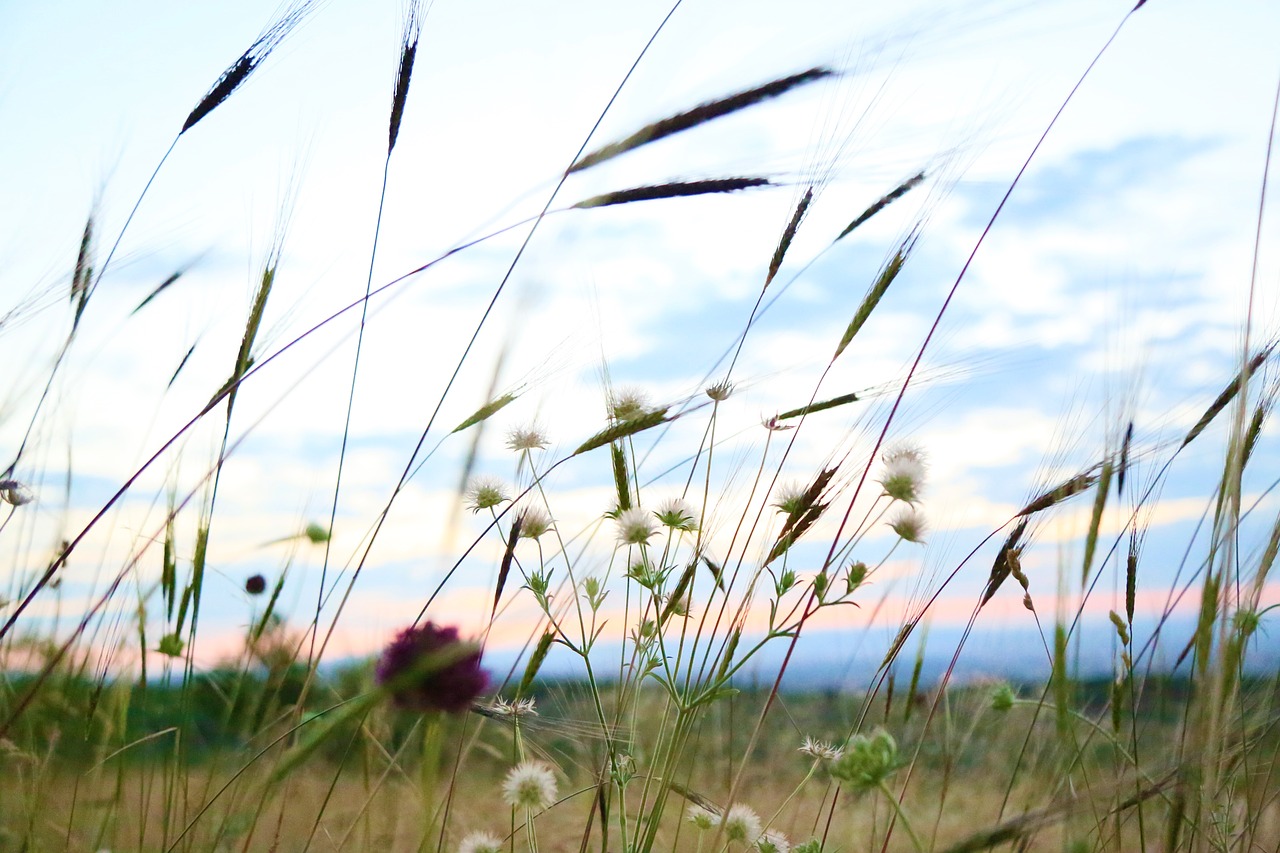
[1113, 285]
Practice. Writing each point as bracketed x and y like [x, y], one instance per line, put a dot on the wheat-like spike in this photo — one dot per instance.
[1059, 493]
[486, 411]
[1095, 519]
[240, 70]
[620, 483]
[535, 662]
[673, 601]
[672, 189]
[83, 272]
[1228, 393]
[698, 115]
[869, 302]
[788, 234]
[160, 288]
[881, 203]
[408, 51]
[818, 407]
[1007, 560]
[624, 429]
[1131, 576]
[508, 556]
[1123, 467]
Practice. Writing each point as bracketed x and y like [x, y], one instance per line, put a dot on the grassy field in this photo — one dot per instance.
[670, 545]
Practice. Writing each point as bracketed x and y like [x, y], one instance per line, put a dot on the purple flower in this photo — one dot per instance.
[427, 668]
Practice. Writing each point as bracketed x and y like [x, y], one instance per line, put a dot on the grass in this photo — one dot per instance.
[679, 596]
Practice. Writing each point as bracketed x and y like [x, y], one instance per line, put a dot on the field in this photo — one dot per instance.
[589, 470]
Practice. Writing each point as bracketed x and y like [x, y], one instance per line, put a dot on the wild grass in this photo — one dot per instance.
[644, 697]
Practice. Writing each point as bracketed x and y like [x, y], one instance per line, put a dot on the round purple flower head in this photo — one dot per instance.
[429, 669]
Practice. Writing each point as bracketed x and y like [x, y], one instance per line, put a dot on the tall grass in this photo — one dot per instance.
[656, 572]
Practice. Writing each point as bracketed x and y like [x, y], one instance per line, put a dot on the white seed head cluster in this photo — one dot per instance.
[677, 514]
[480, 842]
[530, 786]
[485, 492]
[15, 493]
[702, 817]
[515, 708]
[526, 438]
[904, 470]
[819, 749]
[628, 403]
[909, 523]
[742, 824]
[773, 842]
[636, 526]
[534, 521]
[790, 498]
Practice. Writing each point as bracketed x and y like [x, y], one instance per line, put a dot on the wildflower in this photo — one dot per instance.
[904, 468]
[635, 526]
[530, 786]
[702, 817]
[677, 514]
[534, 521]
[909, 523]
[627, 404]
[480, 842]
[773, 842]
[720, 391]
[820, 750]
[790, 498]
[773, 424]
[485, 492]
[15, 493]
[1002, 698]
[813, 845]
[255, 584]
[427, 668]
[867, 761]
[515, 708]
[742, 824]
[525, 439]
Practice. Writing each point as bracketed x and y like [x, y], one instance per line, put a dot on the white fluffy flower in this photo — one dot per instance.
[909, 523]
[702, 817]
[819, 750]
[678, 514]
[485, 492]
[15, 493]
[903, 475]
[534, 521]
[530, 786]
[635, 526]
[480, 842]
[773, 842]
[742, 824]
[526, 438]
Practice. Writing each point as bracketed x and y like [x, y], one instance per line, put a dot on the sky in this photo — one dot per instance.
[1114, 285]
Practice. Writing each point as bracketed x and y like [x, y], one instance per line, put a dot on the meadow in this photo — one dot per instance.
[416, 563]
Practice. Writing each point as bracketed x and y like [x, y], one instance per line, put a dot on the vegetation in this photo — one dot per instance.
[671, 600]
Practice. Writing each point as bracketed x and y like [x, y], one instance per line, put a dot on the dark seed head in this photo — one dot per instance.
[255, 585]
